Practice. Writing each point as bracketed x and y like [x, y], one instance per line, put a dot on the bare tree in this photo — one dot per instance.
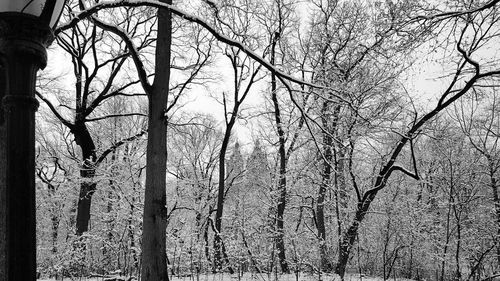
[481, 126]
[90, 64]
[468, 75]
[241, 68]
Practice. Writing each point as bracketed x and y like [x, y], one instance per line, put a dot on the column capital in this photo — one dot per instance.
[23, 34]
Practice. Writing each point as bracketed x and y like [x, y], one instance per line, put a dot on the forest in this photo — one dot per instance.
[316, 139]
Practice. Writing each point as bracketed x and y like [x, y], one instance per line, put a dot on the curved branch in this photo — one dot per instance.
[141, 71]
[114, 116]
[406, 172]
[118, 144]
[189, 17]
[447, 15]
[53, 109]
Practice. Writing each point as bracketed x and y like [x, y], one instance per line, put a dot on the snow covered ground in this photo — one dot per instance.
[254, 277]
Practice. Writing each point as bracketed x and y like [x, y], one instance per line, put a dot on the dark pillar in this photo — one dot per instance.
[22, 50]
[3, 198]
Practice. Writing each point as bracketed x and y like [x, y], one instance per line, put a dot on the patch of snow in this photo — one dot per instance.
[254, 277]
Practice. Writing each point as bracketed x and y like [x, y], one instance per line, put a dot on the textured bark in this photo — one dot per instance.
[280, 210]
[329, 122]
[154, 257]
[87, 173]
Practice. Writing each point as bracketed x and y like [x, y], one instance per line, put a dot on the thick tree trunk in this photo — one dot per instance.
[87, 173]
[154, 257]
[153, 242]
[87, 189]
[329, 122]
[280, 210]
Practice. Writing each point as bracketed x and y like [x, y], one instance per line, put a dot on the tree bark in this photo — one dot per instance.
[352, 232]
[320, 202]
[280, 210]
[54, 216]
[496, 202]
[87, 173]
[330, 127]
[154, 257]
[219, 249]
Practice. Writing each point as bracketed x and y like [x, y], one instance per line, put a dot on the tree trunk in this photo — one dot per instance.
[219, 249]
[220, 206]
[279, 240]
[54, 216]
[87, 172]
[131, 237]
[351, 234]
[368, 197]
[447, 235]
[320, 213]
[496, 202]
[341, 186]
[154, 257]
[330, 127]
[110, 219]
[340, 191]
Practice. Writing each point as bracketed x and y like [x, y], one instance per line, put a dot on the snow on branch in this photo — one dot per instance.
[54, 110]
[118, 144]
[447, 15]
[141, 71]
[114, 116]
[91, 11]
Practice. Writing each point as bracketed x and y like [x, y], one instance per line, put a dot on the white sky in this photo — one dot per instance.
[422, 82]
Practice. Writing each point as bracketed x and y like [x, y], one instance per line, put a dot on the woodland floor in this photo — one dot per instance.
[255, 277]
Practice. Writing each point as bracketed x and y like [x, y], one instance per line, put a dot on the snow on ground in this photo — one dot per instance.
[253, 277]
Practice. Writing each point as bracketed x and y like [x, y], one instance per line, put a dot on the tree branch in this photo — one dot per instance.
[89, 12]
[53, 109]
[141, 71]
[118, 144]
